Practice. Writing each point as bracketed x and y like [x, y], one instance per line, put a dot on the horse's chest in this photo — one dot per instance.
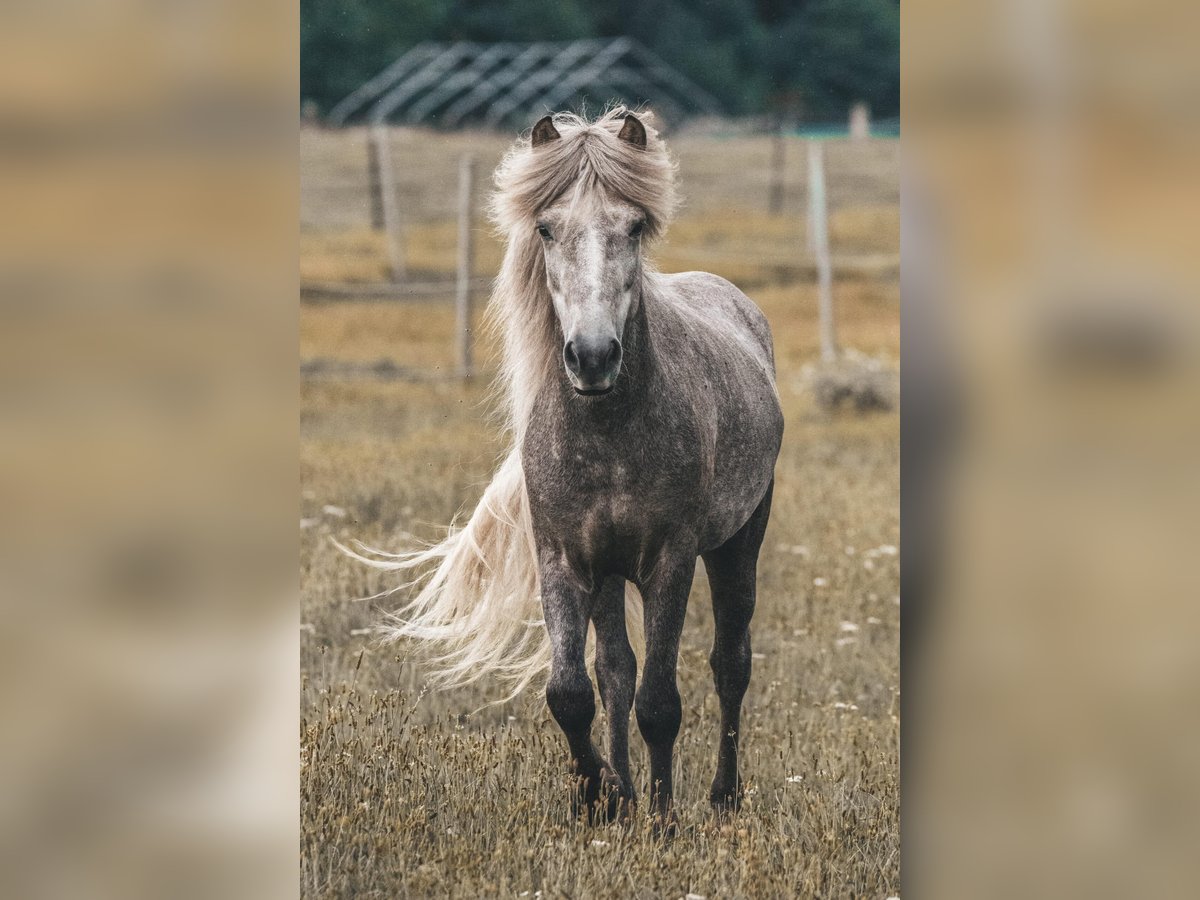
[613, 499]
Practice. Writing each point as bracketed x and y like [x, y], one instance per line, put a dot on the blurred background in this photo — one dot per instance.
[1050, 448]
[151, 187]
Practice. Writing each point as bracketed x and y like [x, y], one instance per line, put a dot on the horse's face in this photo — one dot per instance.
[593, 252]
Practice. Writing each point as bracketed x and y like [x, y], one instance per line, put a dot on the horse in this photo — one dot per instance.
[645, 426]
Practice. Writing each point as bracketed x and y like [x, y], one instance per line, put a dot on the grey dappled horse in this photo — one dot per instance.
[645, 426]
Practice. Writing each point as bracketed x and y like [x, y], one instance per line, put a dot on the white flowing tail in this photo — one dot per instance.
[479, 605]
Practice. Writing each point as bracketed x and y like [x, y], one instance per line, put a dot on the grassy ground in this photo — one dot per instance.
[408, 792]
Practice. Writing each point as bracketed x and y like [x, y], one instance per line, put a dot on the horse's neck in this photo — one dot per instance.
[640, 362]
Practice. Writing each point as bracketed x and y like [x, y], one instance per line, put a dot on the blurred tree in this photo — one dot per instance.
[715, 43]
[813, 57]
[345, 42]
[519, 20]
[832, 53]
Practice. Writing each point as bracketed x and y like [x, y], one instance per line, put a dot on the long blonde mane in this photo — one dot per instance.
[588, 157]
[478, 603]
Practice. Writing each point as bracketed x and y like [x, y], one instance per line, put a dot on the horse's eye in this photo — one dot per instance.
[637, 229]
[544, 231]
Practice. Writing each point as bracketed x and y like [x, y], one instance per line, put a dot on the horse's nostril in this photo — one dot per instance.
[571, 358]
[614, 353]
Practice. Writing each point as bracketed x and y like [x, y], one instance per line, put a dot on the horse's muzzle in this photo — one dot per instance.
[592, 366]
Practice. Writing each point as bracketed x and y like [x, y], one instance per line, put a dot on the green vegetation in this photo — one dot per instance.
[809, 58]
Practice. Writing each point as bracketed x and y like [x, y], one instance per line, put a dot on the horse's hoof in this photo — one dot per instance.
[665, 826]
[725, 804]
[604, 799]
[612, 799]
[725, 800]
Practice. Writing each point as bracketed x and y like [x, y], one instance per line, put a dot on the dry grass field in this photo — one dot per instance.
[412, 793]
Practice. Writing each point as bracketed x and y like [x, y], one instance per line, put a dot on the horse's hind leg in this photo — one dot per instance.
[569, 691]
[732, 571]
[616, 672]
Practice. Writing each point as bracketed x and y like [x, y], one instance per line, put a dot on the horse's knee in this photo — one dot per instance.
[731, 667]
[616, 671]
[621, 661]
[659, 711]
[571, 700]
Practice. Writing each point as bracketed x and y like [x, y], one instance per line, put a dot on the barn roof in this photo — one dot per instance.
[511, 84]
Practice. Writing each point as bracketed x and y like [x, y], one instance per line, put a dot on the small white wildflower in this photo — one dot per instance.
[695, 897]
[599, 843]
[869, 565]
[847, 626]
[330, 510]
[840, 705]
[820, 582]
[795, 779]
[842, 642]
[799, 632]
[888, 549]
[872, 620]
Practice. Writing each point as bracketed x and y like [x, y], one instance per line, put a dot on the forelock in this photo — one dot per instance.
[588, 157]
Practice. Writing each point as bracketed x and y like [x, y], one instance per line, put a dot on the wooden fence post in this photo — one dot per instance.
[818, 217]
[778, 158]
[391, 212]
[860, 122]
[374, 188]
[466, 259]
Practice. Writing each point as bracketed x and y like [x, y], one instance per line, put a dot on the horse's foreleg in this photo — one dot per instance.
[616, 672]
[732, 571]
[569, 691]
[659, 711]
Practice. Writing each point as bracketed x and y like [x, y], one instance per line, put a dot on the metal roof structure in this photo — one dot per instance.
[510, 84]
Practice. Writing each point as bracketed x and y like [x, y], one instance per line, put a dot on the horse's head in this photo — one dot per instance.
[592, 242]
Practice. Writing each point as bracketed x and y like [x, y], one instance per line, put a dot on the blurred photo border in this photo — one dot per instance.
[149, 415]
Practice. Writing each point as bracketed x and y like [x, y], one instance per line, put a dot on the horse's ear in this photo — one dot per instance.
[633, 131]
[544, 131]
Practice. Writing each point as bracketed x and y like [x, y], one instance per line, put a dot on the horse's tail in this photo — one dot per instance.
[478, 603]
